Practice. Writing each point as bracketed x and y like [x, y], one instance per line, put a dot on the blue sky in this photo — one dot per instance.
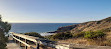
[54, 11]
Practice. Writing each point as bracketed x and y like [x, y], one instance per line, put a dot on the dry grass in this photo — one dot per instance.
[76, 41]
[96, 42]
[105, 41]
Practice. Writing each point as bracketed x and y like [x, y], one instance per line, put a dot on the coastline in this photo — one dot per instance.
[46, 34]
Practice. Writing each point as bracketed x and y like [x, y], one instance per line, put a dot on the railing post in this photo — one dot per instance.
[19, 42]
[15, 40]
[37, 44]
[25, 42]
[12, 37]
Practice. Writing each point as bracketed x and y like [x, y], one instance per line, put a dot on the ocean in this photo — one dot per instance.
[37, 27]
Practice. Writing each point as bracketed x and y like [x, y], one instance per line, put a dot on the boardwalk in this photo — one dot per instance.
[12, 45]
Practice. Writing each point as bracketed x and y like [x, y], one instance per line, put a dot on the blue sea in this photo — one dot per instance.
[37, 27]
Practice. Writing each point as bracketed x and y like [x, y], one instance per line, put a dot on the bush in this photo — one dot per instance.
[81, 34]
[61, 36]
[48, 37]
[94, 34]
[33, 34]
[89, 34]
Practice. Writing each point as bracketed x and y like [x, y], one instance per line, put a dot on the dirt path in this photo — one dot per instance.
[12, 45]
[82, 46]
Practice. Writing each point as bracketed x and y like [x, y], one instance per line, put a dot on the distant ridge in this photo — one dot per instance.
[104, 24]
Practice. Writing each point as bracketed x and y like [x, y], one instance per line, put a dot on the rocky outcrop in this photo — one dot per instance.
[87, 26]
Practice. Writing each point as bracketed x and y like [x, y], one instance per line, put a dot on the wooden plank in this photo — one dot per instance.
[25, 37]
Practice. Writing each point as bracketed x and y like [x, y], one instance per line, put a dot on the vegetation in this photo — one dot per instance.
[49, 37]
[62, 36]
[67, 35]
[90, 34]
[94, 34]
[59, 36]
[81, 34]
[4, 29]
[100, 37]
[33, 34]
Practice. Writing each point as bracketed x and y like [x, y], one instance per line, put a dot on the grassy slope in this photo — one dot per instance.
[103, 25]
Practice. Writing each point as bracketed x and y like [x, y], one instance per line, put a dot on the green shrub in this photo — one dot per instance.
[89, 34]
[81, 34]
[33, 34]
[61, 36]
[86, 34]
[94, 34]
[48, 37]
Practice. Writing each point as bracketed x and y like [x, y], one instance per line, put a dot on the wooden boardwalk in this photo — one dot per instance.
[12, 45]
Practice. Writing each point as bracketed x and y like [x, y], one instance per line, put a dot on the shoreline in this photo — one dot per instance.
[46, 34]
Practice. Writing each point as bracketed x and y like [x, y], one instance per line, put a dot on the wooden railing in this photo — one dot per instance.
[37, 41]
[18, 37]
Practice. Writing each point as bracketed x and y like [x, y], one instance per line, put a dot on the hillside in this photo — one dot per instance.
[104, 24]
[89, 33]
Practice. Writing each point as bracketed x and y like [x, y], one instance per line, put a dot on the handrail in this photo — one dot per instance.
[23, 41]
[25, 37]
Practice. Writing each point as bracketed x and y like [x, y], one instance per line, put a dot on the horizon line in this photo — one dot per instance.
[22, 22]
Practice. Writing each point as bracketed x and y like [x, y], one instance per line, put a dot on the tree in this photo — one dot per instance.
[4, 28]
[0, 17]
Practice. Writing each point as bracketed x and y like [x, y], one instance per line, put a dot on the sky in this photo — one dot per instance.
[54, 11]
